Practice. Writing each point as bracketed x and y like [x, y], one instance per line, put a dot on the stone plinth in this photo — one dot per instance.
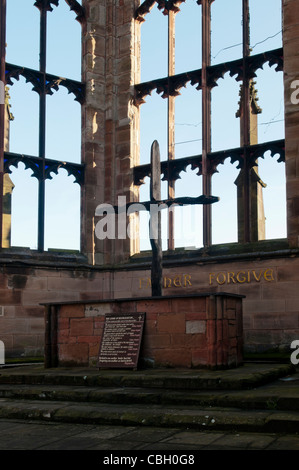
[203, 330]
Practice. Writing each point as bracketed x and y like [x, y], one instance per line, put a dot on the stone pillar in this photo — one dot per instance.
[257, 213]
[8, 185]
[291, 75]
[110, 120]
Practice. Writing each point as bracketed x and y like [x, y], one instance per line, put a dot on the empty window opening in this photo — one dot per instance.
[188, 219]
[153, 126]
[188, 36]
[22, 37]
[225, 124]
[226, 116]
[24, 126]
[62, 46]
[188, 123]
[64, 114]
[21, 209]
[62, 223]
[154, 49]
[272, 173]
[226, 31]
[270, 94]
[225, 212]
[43, 69]
[265, 35]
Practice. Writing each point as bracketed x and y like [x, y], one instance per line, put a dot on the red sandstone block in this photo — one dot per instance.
[124, 284]
[232, 330]
[73, 354]
[190, 305]
[10, 297]
[21, 342]
[94, 349]
[81, 327]
[39, 283]
[99, 323]
[199, 357]
[219, 331]
[230, 303]
[151, 306]
[64, 337]
[195, 316]
[156, 341]
[197, 341]
[124, 307]
[211, 332]
[30, 312]
[150, 327]
[63, 323]
[91, 295]
[211, 356]
[172, 357]
[10, 325]
[151, 316]
[225, 330]
[230, 314]
[171, 323]
[180, 340]
[86, 339]
[35, 325]
[3, 281]
[71, 311]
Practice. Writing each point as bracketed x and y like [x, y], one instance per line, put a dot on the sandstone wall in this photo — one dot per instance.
[270, 308]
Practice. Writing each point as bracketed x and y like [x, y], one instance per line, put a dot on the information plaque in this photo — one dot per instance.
[121, 340]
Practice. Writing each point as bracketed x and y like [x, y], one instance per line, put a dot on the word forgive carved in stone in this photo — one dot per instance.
[241, 277]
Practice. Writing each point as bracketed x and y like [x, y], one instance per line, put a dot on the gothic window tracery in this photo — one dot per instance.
[244, 62]
[44, 163]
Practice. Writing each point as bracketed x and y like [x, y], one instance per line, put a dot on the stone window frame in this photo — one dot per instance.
[205, 79]
[44, 84]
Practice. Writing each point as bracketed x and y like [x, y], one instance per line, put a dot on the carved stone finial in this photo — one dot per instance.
[255, 108]
[8, 105]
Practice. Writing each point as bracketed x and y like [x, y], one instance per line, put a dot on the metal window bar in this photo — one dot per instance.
[171, 123]
[206, 78]
[42, 84]
[2, 105]
[42, 123]
[206, 119]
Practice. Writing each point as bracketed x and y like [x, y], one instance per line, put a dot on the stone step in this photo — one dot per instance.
[242, 378]
[255, 398]
[151, 415]
[268, 397]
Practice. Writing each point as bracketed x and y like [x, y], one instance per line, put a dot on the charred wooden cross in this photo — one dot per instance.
[154, 207]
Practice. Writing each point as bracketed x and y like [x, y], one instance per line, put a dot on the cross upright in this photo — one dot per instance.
[154, 207]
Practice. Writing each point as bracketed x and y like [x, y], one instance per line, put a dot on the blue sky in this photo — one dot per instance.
[226, 46]
[63, 131]
[63, 114]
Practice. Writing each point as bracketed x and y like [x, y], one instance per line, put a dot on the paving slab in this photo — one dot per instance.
[35, 435]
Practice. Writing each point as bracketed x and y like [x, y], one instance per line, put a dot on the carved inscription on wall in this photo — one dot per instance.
[241, 277]
[121, 340]
[179, 280]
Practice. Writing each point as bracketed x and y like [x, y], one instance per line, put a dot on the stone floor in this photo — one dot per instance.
[32, 435]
